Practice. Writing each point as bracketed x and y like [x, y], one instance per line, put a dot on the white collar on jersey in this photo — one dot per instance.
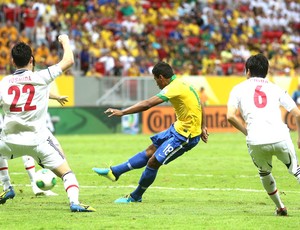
[19, 71]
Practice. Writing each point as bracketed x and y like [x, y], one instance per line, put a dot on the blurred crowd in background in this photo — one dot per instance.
[127, 37]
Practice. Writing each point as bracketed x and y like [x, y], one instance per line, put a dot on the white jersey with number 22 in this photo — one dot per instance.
[24, 96]
[259, 102]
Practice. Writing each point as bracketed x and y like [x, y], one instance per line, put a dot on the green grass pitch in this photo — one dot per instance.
[214, 186]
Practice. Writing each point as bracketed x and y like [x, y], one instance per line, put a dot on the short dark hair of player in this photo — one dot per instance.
[164, 69]
[258, 65]
[21, 54]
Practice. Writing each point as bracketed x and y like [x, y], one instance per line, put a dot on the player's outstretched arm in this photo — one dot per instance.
[136, 108]
[68, 56]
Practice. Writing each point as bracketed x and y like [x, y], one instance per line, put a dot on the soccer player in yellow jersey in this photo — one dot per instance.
[180, 137]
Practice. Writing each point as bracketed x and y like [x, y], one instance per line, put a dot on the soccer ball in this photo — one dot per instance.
[45, 179]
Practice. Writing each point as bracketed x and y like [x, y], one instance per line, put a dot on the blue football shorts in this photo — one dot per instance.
[170, 145]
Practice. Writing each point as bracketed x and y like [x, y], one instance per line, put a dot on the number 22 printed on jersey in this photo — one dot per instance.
[17, 91]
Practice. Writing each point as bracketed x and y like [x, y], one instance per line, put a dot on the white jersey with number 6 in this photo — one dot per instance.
[259, 102]
[25, 95]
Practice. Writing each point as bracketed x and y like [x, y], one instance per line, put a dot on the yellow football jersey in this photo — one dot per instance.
[186, 102]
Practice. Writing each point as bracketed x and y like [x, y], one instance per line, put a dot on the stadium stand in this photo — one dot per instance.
[190, 33]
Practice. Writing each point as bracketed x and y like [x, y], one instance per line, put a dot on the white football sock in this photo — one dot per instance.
[71, 186]
[269, 184]
[29, 166]
[4, 176]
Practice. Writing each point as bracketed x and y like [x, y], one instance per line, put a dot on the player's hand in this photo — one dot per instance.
[113, 112]
[63, 38]
[62, 100]
[204, 135]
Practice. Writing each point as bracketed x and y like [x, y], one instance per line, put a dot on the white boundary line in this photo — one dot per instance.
[173, 189]
[176, 174]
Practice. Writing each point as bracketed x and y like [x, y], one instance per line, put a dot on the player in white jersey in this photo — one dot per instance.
[267, 135]
[29, 163]
[24, 95]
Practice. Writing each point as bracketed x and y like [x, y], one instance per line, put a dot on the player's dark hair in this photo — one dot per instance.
[21, 54]
[258, 66]
[164, 69]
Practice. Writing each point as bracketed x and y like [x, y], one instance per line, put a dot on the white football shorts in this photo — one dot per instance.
[284, 150]
[47, 154]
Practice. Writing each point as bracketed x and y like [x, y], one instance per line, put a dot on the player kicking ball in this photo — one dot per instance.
[180, 137]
